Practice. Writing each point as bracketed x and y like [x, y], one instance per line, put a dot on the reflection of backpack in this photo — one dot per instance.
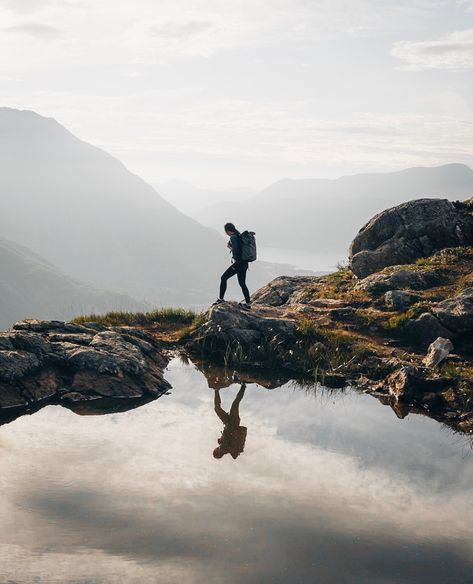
[248, 246]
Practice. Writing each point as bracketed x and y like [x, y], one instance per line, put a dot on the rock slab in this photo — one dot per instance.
[41, 360]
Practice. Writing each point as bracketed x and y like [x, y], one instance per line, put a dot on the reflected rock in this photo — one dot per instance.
[219, 377]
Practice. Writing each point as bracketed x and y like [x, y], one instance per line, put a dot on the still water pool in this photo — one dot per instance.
[316, 487]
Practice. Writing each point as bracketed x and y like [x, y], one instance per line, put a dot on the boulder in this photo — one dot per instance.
[400, 299]
[426, 328]
[409, 231]
[398, 278]
[228, 324]
[280, 290]
[456, 314]
[438, 351]
[41, 361]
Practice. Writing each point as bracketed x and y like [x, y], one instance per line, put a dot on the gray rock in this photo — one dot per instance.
[399, 299]
[48, 326]
[427, 328]
[228, 323]
[42, 360]
[280, 290]
[5, 342]
[75, 338]
[456, 314]
[438, 351]
[400, 278]
[16, 364]
[404, 233]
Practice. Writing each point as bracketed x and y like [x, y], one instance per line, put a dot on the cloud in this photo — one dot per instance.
[35, 29]
[453, 51]
[180, 29]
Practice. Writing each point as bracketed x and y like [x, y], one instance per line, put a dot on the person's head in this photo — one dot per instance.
[230, 229]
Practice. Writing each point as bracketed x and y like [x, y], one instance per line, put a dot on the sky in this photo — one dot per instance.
[227, 93]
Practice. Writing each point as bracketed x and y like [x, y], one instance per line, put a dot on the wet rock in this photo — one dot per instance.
[16, 364]
[10, 398]
[438, 351]
[400, 278]
[404, 233]
[400, 299]
[280, 290]
[42, 360]
[408, 384]
[456, 314]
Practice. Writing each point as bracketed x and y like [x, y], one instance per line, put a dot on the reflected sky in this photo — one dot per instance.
[330, 488]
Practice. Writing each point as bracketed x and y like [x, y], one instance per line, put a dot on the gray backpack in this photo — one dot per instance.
[248, 246]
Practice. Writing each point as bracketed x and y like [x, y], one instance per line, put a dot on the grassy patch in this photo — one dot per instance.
[339, 285]
[456, 371]
[158, 316]
[322, 349]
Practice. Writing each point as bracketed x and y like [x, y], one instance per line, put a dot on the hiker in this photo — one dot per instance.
[238, 267]
[233, 435]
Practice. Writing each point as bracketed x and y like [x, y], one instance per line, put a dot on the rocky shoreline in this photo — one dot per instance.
[44, 362]
[396, 323]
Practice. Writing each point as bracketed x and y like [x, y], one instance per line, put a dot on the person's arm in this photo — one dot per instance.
[236, 246]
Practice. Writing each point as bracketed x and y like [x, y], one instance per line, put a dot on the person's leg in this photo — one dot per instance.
[234, 410]
[227, 274]
[242, 281]
[221, 413]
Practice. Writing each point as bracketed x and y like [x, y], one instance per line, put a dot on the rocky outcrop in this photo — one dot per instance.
[456, 314]
[399, 299]
[399, 278]
[451, 319]
[402, 234]
[280, 290]
[66, 362]
[229, 326]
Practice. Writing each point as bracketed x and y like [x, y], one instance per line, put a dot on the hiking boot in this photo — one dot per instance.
[245, 305]
[218, 301]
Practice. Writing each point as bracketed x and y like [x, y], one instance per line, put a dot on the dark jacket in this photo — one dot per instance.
[235, 244]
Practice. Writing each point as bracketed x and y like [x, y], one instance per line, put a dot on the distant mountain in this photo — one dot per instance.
[325, 215]
[188, 198]
[31, 287]
[95, 220]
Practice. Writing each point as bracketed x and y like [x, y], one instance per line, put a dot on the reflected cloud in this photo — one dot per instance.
[137, 496]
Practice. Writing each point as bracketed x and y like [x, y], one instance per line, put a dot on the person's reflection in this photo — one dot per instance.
[233, 436]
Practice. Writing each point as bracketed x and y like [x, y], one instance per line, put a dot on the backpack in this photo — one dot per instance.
[248, 246]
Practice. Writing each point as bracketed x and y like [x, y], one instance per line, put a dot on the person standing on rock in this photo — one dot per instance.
[239, 267]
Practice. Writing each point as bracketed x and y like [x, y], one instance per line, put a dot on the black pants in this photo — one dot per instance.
[239, 268]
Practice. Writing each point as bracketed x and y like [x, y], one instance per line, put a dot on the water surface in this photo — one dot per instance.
[330, 487]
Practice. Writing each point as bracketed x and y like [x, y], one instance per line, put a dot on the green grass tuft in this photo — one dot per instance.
[160, 315]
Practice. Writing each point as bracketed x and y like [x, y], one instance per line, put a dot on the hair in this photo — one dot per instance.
[230, 227]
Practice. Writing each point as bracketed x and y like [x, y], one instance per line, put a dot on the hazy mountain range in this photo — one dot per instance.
[30, 287]
[83, 211]
[325, 215]
[189, 199]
